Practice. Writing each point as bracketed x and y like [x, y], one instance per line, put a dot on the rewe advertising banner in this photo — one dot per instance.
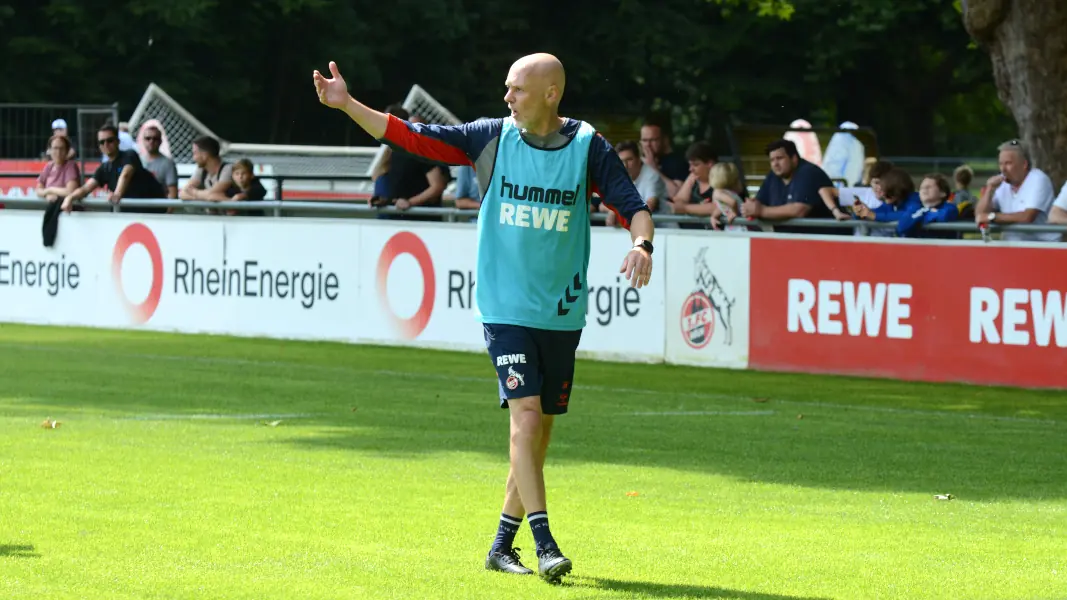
[971, 313]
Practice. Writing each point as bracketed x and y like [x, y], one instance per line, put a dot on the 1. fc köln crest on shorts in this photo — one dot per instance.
[515, 379]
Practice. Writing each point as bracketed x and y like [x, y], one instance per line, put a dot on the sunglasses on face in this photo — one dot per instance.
[152, 139]
[107, 141]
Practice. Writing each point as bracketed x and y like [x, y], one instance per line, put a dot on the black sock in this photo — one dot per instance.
[539, 526]
[505, 534]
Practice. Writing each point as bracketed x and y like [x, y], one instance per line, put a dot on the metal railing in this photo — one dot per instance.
[276, 207]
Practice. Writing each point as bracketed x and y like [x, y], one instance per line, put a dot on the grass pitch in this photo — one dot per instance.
[209, 467]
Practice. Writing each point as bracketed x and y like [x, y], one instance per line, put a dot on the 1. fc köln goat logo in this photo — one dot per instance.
[706, 308]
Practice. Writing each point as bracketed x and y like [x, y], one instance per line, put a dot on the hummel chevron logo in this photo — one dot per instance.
[577, 285]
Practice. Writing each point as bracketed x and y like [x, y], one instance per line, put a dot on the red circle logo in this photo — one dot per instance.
[406, 242]
[512, 382]
[138, 233]
[698, 320]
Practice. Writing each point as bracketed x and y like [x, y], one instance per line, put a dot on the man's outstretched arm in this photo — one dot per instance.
[442, 144]
[333, 92]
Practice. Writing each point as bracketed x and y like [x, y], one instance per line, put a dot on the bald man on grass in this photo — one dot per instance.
[538, 170]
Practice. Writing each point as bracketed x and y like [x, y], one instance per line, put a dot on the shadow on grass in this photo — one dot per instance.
[18, 551]
[665, 590]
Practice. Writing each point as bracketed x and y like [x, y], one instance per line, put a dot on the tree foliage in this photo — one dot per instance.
[244, 66]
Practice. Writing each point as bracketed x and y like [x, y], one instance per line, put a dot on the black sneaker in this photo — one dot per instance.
[506, 562]
[552, 564]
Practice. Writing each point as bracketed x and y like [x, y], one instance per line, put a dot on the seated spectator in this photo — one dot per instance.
[726, 199]
[1058, 216]
[59, 127]
[410, 181]
[60, 176]
[647, 181]
[657, 152]
[934, 192]
[123, 174]
[898, 191]
[694, 195]
[870, 195]
[793, 189]
[246, 187]
[126, 141]
[162, 167]
[212, 176]
[1019, 194]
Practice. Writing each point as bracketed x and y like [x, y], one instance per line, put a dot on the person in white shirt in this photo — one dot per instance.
[1019, 194]
[1059, 208]
[647, 181]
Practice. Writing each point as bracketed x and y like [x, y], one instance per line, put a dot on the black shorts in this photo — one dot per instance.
[533, 362]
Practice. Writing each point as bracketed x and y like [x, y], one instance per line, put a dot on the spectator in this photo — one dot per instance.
[963, 176]
[726, 200]
[246, 187]
[793, 189]
[657, 152]
[122, 174]
[694, 196]
[1058, 216]
[126, 141]
[162, 167]
[647, 181]
[59, 127]
[212, 176]
[898, 191]
[1019, 194]
[60, 176]
[870, 195]
[963, 198]
[934, 193]
[409, 181]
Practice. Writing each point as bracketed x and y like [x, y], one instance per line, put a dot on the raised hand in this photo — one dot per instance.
[332, 92]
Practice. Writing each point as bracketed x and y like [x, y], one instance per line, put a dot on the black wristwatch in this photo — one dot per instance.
[645, 245]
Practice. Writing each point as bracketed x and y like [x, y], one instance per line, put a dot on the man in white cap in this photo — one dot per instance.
[59, 127]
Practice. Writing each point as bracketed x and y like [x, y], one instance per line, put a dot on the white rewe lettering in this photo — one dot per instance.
[525, 215]
[800, 302]
[985, 306]
[1014, 317]
[510, 359]
[507, 213]
[522, 215]
[544, 218]
[828, 307]
[1050, 314]
[1046, 312]
[897, 310]
[865, 305]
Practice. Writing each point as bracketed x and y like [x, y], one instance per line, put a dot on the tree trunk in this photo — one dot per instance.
[1027, 41]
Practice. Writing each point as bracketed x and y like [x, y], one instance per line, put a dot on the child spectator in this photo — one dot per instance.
[963, 198]
[934, 192]
[245, 187]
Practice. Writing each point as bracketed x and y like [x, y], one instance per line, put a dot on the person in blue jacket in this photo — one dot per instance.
[898, 191]
[934, 192]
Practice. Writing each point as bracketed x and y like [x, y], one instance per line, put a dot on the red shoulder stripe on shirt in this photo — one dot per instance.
[623, 221]
[398, 132]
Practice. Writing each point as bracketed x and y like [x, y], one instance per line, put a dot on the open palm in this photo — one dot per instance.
[332, 92]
